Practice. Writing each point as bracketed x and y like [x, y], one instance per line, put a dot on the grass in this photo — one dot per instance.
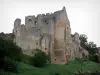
[68, 69]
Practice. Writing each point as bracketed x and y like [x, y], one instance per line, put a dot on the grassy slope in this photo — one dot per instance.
[25, 69]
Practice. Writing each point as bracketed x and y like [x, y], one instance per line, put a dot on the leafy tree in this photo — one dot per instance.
[92, 45]
[10, 65]
[39, 59]
[11, 51]
[83, 40]
[92, 48]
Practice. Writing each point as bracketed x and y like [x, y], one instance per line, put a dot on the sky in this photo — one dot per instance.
[84, 15]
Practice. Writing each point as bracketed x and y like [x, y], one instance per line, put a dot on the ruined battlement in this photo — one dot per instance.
[32, 20]
[50, 33]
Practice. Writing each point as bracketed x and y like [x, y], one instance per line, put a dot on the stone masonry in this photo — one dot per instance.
[50, 33]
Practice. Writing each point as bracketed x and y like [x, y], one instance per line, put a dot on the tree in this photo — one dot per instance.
[92, 45]
[39, 59]
[9, 50]
[92, 48]
[83, 40]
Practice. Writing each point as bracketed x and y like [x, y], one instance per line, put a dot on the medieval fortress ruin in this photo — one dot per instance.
[50, 33]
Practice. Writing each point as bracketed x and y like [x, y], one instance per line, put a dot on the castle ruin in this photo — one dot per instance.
[50, 33]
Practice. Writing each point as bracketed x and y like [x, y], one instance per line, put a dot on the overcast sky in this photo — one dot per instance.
[84, 15]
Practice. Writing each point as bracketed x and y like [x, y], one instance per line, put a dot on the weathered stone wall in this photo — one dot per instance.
[76, 45]
[50, 33]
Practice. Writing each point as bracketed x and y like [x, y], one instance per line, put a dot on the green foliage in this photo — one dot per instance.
[10, 65]
[39, 59]
[9, 52]
[26, 58]
[83, 40]
[3, 73]
[90, 47]
[94, 58]
[9, 49]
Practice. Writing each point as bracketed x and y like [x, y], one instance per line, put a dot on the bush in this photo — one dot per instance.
[3, 73]
[9, 50]
[94, 58]
[39, 59]
[26, 58]
[10, 65]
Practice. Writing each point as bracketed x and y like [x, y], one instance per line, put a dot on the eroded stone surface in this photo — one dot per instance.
[50, 33]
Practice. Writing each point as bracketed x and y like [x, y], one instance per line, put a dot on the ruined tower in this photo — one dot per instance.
[48, 32]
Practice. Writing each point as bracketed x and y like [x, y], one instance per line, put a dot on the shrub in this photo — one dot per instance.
[39, 59]
[94, 58]
[10, 65]
[14, 51]
[26, 58]
[3, 73]
[9, 50]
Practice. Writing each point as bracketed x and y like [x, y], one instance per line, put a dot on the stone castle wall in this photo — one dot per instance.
[50, 33]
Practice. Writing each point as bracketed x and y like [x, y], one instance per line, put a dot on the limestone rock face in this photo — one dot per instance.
[50, 33]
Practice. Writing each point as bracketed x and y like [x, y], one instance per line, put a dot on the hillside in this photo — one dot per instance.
[68, 69]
